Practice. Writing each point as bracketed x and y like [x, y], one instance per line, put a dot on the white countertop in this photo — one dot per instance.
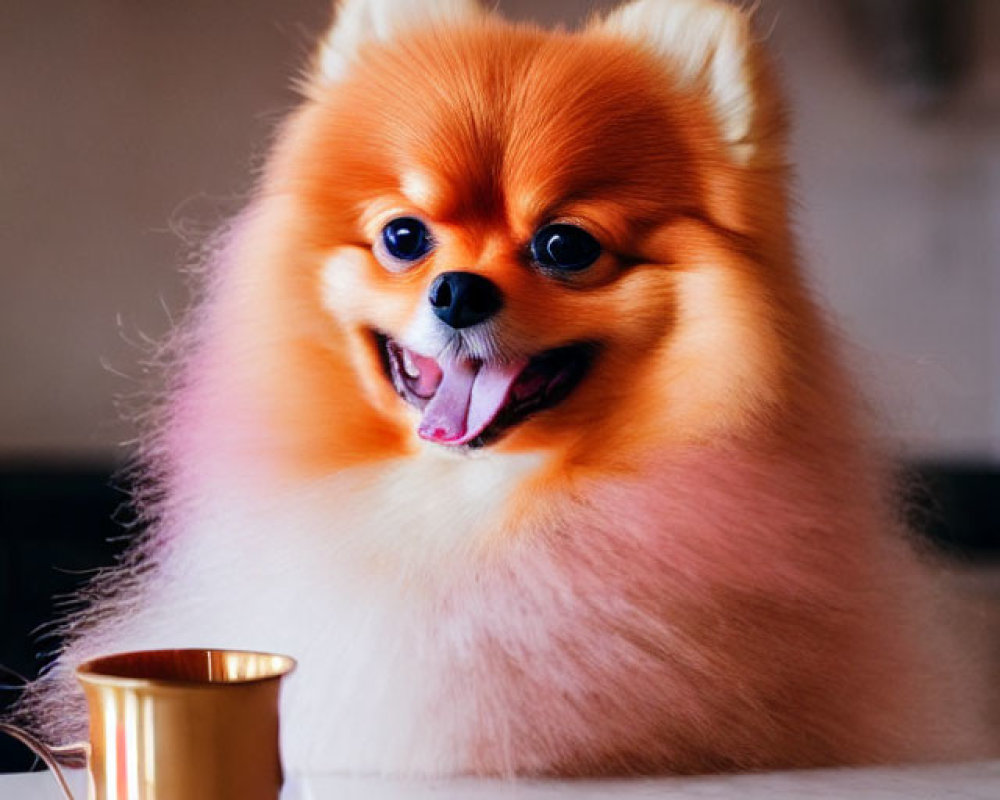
[979, 781]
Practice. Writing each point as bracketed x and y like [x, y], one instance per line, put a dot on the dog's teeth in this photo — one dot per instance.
[409, 367]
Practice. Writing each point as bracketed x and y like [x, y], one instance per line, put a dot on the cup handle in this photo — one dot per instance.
[72, 753]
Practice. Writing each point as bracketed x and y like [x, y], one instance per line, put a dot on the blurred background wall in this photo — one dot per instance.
[126, 126]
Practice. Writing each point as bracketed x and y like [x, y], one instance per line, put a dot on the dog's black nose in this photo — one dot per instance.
[462, 299]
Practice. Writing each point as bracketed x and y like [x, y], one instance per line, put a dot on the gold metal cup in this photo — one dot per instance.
[182, 725]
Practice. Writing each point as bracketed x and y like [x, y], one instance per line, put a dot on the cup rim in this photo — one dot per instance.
[90, 671]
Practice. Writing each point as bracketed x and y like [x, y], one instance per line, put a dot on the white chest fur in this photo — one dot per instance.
[338, 574]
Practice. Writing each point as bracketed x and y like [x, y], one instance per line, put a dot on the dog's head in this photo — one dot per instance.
[520, 236]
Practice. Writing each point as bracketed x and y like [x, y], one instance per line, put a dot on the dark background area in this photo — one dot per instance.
[57, 526]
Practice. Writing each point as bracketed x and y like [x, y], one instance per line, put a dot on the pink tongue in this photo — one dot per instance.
[468, 398]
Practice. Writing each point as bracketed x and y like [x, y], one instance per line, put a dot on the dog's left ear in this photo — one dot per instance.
[709, 48]
[359, 21]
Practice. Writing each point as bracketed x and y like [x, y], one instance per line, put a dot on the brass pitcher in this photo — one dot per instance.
[177, 725]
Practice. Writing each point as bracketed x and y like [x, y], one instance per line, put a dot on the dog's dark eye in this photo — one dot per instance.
[564, 247]
[406, 238]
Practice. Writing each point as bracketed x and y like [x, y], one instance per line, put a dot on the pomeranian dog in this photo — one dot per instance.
[508, 414]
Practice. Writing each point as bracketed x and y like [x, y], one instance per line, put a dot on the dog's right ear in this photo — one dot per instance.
[710, 49]
[359, 21]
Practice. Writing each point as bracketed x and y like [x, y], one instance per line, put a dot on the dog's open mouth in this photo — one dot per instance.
[472, 403]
